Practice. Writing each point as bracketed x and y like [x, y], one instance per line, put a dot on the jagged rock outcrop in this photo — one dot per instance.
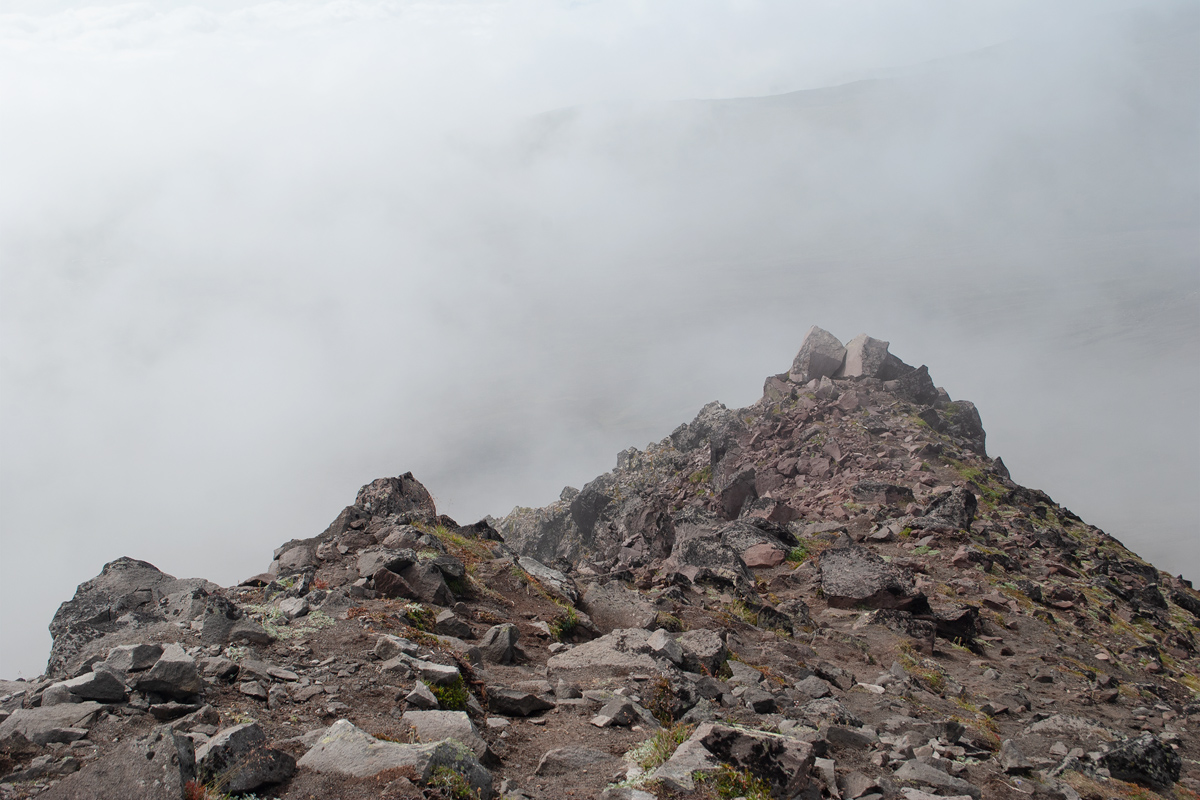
[834, 592]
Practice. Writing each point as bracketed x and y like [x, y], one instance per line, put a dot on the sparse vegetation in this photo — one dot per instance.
[729, 783]
[452, 785]
[798, 554]
[452, 696]
[565, 623]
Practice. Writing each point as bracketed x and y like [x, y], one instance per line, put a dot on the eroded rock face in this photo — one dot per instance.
[128, 595]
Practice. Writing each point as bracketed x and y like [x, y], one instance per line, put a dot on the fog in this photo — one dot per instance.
[255, 254]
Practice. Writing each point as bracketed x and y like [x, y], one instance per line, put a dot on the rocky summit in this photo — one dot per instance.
[834, 593]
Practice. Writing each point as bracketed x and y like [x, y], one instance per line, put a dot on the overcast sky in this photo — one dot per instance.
[256, 254]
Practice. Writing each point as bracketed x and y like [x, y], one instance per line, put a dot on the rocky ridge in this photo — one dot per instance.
[835, 593]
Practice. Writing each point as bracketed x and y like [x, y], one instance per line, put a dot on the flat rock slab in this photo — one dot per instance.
[58, 723]
[621, 652]
[917, 772]
[570, 760]
[345, 749]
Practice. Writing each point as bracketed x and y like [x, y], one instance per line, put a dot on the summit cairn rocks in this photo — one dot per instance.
[869, 358]
[821, 355]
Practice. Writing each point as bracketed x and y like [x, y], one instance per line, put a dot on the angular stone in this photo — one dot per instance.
[781, 761]
[388, 647]
[1144, 760]
[918, 772]
[390, 584]
[374, 559]
[103, 686]
[618, 653]
[238, 760]
[618, 711]
[293, 607]
[703, 651]
[498, 645]
[58, 723]
[952, 510]
[821, 354]
[1012, 760]
[763, 556]
[516, 702]
[663, 645]
[612, 606]
[855, 576]
[869, 358]
[133, 657]
[422, 697]
[449, 624]
[400, 495]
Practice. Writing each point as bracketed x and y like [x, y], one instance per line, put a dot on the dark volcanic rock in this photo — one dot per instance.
[854, 576]
[400, 495]
[1144, 760]
[953, 510]
[155, 767]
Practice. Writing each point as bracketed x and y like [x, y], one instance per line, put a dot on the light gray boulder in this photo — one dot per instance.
[618, 653]
[59, 723]
[821, 355]
[344, 749]
[174, 674]
[434, 726]
[499, 644]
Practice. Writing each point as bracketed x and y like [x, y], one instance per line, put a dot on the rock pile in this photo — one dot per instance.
[832, 593]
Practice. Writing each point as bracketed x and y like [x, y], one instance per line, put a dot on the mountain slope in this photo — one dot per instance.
[835, 592]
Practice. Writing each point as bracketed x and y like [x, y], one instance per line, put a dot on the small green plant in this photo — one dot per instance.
[701, 475]
[669, 622]
[420, 617]
[925, 549]
[452, 784]
[798, 554]
[661, 702]
[730, 783]
[655, 751]
[564, 624]
[452, 696]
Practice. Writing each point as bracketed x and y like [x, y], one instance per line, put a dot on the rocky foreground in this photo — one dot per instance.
[832, 593]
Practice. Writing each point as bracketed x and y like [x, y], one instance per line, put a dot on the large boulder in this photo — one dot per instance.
[128, 598]
[618, 653]
[400, 495]
[64, 722]
[174, 674]
[821, 355]
[238, 760]
[1144, 760]
[869, 358]
[345, 749]
[434, 726]
[614, 605]
[952, 510]
[915, 386]
[154, 767]
[854, 577]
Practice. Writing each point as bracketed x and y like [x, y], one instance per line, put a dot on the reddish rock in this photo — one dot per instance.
[763, 555]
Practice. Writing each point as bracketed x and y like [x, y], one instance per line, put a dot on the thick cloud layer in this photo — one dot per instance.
[254, 255]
